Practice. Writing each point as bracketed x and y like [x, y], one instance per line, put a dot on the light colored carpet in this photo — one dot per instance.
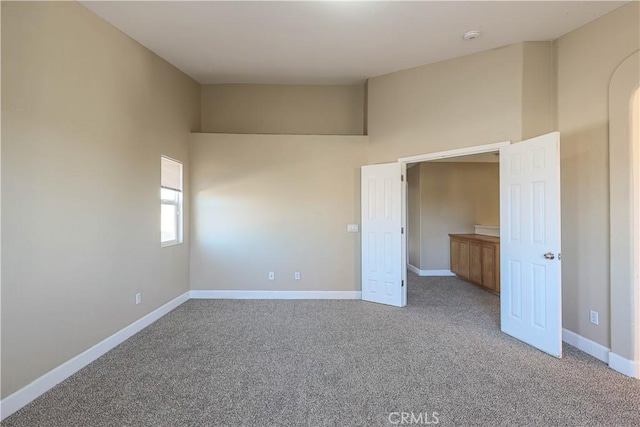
[337, 363]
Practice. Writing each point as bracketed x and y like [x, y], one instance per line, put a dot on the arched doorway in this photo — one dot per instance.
[624, 186]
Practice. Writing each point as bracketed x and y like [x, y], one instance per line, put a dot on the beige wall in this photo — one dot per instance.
[586, 60]
[467, 101]
[86, 114]
[538, 89]
[454, 197]
[275, 203]
[283, 109]
[413, 215]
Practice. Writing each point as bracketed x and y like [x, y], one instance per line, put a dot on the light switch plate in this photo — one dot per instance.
[352, 228]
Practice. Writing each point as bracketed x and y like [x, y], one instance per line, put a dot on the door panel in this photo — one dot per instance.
[475, 262]
[489, 267]
[530, 242]
[382, 251]
[463, 255]
[454, 256]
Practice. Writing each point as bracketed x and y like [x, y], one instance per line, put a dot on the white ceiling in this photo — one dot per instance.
[332, 42]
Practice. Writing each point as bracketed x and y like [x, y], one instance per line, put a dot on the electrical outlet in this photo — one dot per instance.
[296, 275]
[272, 275]
[138, 298]
[593, 317]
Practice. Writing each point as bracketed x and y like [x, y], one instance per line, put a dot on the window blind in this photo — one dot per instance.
[171, 174]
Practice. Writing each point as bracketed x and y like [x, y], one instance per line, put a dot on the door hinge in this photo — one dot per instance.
[401, 230]
[402, 283]
[402, 178]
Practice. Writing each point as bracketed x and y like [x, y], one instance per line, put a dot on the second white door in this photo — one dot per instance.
[531, 291]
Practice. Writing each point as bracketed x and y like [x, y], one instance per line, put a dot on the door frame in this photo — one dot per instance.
[635, 149]
[476, 149]
[635, 143]
[458, 152]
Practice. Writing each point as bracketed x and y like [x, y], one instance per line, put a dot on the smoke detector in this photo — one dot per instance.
[471, 35]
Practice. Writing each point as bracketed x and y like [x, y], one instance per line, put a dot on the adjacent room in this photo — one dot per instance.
[320, 213]
[450, 202]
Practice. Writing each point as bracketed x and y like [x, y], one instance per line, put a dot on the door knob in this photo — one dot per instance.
[549, 255]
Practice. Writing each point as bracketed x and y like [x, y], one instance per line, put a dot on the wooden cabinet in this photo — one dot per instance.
[460, 257]
[475, 262]
[476, 257]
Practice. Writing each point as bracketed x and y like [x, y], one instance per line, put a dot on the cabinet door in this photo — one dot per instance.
[454, 256]
[464, 259]
[497, 269]
[489, 278]
[459, 257]
[475, 262]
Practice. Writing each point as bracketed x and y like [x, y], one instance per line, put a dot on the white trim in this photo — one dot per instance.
[230, 294]
[596, 350]
[478, 149]
[635, 188]
[31, 391]
[28, 393]
[414, 269]
[600, 352]
[429, 272]
[624, 366]
[436, 273]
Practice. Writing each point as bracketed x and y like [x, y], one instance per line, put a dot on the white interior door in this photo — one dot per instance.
[530, 291]
[383, 272]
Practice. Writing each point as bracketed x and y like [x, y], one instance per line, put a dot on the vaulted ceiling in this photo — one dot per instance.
[332, 42]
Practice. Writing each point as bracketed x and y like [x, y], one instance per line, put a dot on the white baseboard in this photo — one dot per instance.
[436, 273]
[413, 268]
[22, 397]
[590, 347]
[31, 391]
[624, 366]
[600, 352]
[429, 272]
[275, 294]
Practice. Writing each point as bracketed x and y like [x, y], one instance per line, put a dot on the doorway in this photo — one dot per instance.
[530, 252]
[457, 196]
[624, 195]
[530, 296]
